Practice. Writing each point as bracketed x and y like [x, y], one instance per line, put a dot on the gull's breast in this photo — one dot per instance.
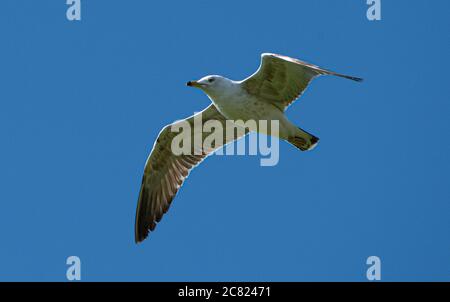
[243, 108]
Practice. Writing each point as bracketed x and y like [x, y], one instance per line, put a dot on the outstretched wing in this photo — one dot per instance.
[165, 172]
[280, 80]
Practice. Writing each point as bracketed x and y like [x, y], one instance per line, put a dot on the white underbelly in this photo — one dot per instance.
[244, 109]
[256, 112]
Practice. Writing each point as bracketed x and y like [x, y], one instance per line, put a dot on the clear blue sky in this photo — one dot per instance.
[82, 103]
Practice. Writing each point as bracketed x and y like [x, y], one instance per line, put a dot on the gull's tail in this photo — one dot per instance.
[303, 140]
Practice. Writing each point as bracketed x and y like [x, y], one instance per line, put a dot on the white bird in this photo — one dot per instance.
[265, 95]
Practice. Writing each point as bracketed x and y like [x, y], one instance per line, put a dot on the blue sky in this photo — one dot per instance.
[82, 103]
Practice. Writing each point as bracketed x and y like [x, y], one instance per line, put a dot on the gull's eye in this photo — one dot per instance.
[211, 80]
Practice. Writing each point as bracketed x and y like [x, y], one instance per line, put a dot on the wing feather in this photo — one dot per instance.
[165, 172]
[281, 80]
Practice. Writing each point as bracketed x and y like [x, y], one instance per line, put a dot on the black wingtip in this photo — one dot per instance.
[314, 140]
[142, 231]
[141, 235]
[356, 79]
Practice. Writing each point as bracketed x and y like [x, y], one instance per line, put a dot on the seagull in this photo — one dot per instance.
[265, 95]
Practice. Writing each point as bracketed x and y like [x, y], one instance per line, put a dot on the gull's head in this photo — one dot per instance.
[212, 85]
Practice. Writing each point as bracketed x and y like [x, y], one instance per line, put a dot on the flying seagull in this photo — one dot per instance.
[265, 95]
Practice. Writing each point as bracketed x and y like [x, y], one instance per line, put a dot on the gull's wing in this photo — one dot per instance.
[165, 172]
[280, 80]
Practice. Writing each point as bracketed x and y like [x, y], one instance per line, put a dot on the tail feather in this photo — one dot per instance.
[304, 140]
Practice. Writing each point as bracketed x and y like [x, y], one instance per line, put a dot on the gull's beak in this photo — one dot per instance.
[194, 84]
